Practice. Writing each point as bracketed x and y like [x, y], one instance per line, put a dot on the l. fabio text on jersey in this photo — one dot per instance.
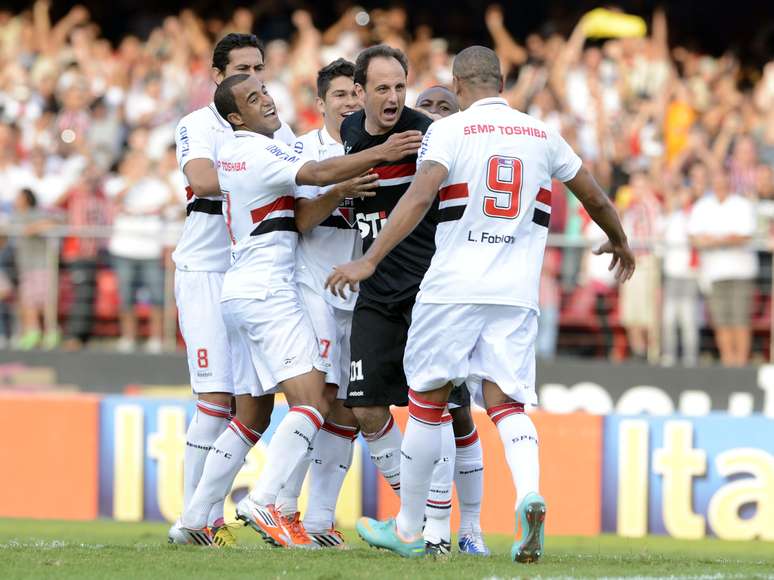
[488, 238]
[504, 130]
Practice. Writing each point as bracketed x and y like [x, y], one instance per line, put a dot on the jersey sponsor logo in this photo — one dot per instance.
[185, 144]
[484, 128]
[232, 165]
[278, 152]
[370, 224]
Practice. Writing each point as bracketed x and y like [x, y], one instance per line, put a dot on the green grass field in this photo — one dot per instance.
[51, 549]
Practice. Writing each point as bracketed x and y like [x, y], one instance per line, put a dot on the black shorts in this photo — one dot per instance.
[379, 333]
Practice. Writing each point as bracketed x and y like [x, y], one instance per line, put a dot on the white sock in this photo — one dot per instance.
[207, 424]
[421, 449]
[439, 500]
[287, 448]
[224, 461]
[469, 479]
[287, 500]
[333, 449]
[520, 441]
[384, 447]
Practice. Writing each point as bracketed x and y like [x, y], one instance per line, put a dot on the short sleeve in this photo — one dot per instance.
[564, 162]
[438, 144]
[278, 165]
[193, 141]
[285, 134]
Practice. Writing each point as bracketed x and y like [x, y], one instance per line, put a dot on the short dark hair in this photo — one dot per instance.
[29, 197]
[340, 67]
[380, 50]
[233, 40]
[478, 65]
[224, 99]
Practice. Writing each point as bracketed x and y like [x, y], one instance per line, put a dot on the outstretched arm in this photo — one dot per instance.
[312, 212]
[601, 210]
[409, 211]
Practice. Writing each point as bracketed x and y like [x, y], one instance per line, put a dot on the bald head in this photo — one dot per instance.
[437, 102]
[478, 66]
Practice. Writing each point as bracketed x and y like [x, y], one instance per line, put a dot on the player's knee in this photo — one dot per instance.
[221, 399]
[341, 415]
[462, 421]
[371, 419]
[331, 391]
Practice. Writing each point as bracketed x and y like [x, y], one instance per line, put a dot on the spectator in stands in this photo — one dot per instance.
[680, 288]
[33, 255]
[639, 297]
[721, 226]
[137, 243]
[84, 206]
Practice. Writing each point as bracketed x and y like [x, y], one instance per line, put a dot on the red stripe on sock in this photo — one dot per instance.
[342, 431]
[382, 432]
[500, 412]
[446, 418]
[310, 414]
[467, 440]
[444, 502]
[248, 433]
[224, 414]
[425, 411]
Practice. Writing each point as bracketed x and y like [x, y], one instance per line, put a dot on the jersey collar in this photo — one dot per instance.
[490, 101]
[326, 137]
[220, 119]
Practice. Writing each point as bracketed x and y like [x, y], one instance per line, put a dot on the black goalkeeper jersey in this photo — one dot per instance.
[398, 276]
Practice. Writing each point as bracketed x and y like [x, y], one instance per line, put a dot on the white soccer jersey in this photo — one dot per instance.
[257, 176]
[336, 240]
[495, 204]
[204, 243]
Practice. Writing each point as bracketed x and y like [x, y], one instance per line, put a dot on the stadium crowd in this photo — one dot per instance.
[681, 140]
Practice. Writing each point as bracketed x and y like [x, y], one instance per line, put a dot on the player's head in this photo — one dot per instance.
[476, 73]
[438, 102]
[246, 104]
[336, 94]
[237, 54]
[380, 79]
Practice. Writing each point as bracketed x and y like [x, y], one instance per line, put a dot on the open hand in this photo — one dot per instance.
[360, 186]
[622, 261]
[349, 274]
[400, 145]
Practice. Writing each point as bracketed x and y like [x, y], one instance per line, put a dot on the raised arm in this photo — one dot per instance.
[602, 211]
[337, 169]
[409, 211]
[312, 212]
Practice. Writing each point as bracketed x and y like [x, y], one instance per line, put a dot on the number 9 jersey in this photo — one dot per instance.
[495, 204]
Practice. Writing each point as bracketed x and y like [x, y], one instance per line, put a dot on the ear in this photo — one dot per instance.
[360, 90]
[320, 104]
[456, 86]
[500, 84]
[235, 119]
[216, 75]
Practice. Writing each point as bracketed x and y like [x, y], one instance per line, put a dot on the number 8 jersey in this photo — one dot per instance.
[495, 204]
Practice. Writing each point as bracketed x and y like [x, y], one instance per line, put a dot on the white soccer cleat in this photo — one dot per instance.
[186, 536]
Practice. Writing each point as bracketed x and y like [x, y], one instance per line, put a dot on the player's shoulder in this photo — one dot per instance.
[352, 126]
[411, 119]
[204, 118]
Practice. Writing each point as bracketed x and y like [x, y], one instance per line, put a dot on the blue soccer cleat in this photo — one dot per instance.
[472, 543]
[532, 515]
[385, 535]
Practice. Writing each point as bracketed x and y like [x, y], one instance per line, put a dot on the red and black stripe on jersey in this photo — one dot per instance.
[398, 276]
[542, 217]
[268, 218]
[201, 204]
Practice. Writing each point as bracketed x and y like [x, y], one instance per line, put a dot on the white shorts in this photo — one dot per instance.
[471, 343]
[271, 341]
[197, 295]
[333, 327]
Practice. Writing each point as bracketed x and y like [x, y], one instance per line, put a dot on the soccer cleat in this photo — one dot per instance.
[385, 535]
[473, 543]
[297, 533]
[223, 537]
[264, 519]
[332, 538]
[442, 548]
[186, 536]
[532, 515]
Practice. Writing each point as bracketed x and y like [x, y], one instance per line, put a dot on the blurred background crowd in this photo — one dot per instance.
[681, 137]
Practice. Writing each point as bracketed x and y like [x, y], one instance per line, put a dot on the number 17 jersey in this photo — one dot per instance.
[495, 204]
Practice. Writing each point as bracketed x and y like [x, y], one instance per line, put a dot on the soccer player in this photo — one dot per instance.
[468, 470]
[325, 220]
[273, 345]
[476, 314]
[201, 259]
[383, 309]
